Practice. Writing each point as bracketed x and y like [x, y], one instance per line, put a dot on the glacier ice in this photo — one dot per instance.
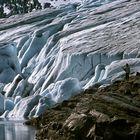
[9, 89]
[99, 73]
[17, 99]
[9, 64]
[1, 104]
[8, 105]
[34, 105]
[41, 107]
[62, 90]
[49, 56]
[24, 106]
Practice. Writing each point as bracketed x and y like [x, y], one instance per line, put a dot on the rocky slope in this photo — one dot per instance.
[107, 113]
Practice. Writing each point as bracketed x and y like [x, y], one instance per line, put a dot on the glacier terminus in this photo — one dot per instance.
[48, 56]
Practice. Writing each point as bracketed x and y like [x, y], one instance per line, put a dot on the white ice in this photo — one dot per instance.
[9, 64]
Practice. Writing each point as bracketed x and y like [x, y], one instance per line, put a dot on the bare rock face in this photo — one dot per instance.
[77, 124]
[101, 114]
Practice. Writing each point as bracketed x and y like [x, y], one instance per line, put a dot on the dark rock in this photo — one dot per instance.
[127, 92]
[77, 124]
[138, 74]
[47, 5]
[104, 115]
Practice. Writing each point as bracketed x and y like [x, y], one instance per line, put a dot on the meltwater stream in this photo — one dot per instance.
[15, 130]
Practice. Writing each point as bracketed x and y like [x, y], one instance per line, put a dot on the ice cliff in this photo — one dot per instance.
[50, 55]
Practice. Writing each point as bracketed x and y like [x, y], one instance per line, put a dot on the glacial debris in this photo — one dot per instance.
[109, 113]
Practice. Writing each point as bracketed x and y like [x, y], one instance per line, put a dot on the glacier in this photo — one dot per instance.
[48, 56]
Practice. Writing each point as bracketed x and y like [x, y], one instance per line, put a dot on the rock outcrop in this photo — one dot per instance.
[107, 113]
